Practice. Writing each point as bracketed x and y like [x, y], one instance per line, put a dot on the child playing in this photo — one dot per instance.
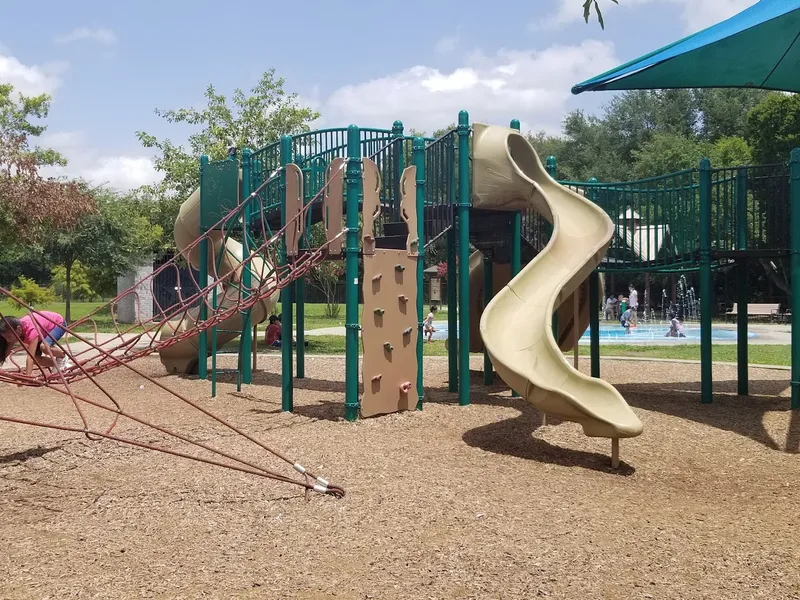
[428, 327]
[274, 333]
[31, 330]
[675, 327]
[625, 320]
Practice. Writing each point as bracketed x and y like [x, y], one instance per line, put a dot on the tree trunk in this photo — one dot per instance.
[68, 291]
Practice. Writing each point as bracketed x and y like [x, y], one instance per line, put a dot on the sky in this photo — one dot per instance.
[109, 65]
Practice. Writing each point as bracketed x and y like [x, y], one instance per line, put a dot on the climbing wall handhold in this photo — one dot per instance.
[408, 331]
[379, 312]
[388, 346]
[400, 268]
[403, 298]
[405, 387]
[377, 277]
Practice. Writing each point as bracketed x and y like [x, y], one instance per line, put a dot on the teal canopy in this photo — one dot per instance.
[758, 48]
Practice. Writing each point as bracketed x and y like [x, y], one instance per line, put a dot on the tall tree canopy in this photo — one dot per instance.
[31, 205]
[252, 120]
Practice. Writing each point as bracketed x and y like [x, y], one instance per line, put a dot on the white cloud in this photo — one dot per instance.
[702, 14]
[101, 35]
[30, 80]
[118, 171]
[530, 85]
[446, 45]
[695, 14]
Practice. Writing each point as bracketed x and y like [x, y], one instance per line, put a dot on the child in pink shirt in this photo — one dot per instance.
[31, 331]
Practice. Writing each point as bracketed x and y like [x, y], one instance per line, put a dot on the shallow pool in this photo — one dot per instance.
[650, 333]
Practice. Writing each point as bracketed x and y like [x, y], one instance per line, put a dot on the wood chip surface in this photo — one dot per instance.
[451, 502]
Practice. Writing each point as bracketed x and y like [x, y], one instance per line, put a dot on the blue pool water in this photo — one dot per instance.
[615, 334]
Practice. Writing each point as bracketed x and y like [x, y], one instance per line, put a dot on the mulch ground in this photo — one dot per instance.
[450, 502]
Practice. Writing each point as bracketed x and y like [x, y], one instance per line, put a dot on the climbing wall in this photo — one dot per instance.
[390, 324]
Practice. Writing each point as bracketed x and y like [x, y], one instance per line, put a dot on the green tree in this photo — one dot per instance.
[723, 112]
[248, 120]
[773, 128]
[666, 153]
[108, 243]
[31, 205]
[80, 284]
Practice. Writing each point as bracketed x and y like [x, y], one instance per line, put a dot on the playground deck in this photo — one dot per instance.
[449, 502]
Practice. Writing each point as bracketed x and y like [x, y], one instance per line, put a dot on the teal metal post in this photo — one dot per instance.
[287, 389]
[488, 284]
[551, 165]
[516, 240]
[398, 150]
[202, 346]
[354, 184]
[452, 286]
[706, 381]
[214, 346]
[246, 345]
[300, 303]
[795, 266]
[463, 257]
[741, 283]
[418, 155]
[594, 322]
[594, 303]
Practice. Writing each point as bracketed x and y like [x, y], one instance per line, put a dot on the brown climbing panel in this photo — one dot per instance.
[390, 327]
[408, 204]
[371, 205]
[389, 333]
[333, 206]
[294, 204]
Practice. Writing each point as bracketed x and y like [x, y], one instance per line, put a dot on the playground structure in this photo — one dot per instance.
[483, 193]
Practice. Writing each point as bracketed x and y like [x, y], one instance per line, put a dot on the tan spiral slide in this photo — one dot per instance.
[516, 325]
[183, 356]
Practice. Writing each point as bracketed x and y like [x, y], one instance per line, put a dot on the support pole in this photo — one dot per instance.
[287, 389]
[418, 154]
[488, 284]
[354, 186]
[202, 345]
[742, 386]
[214, 346]
[594, 322]
[463, 256]
[452, 301]
[795, 266]
[516, 240]
[615, 453]
[576, 309]
[246, 346]
[398, 153]
[706, 381]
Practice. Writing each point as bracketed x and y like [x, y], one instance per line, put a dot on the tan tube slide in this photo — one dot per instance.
[501, 274]
[183, 356]
[516, 324]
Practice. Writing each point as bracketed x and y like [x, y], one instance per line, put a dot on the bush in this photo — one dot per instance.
[31, 293]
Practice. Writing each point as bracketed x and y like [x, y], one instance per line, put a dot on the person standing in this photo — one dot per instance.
[633, 303]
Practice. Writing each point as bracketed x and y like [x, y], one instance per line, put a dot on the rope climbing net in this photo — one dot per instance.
[93, 353]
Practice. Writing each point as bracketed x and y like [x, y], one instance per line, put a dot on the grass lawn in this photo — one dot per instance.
[333, 344]
[757, 354]
[79, 310]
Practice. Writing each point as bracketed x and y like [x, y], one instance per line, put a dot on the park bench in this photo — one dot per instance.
[756, 310]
